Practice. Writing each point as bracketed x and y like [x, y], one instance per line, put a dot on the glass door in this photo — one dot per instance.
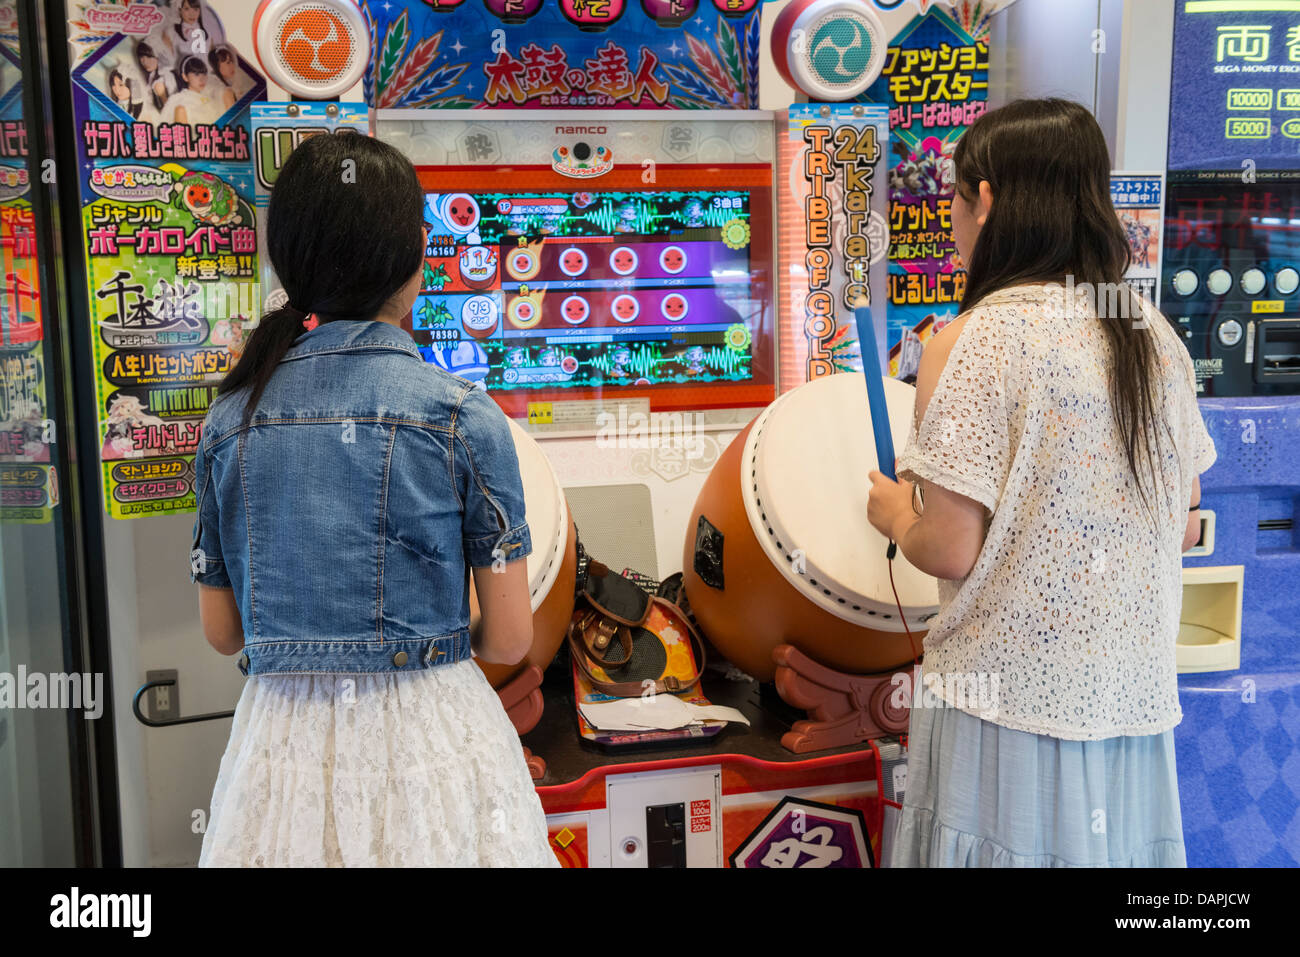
[55, 708]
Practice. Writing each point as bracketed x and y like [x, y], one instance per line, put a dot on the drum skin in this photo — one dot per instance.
[757, 609]
[550, 620]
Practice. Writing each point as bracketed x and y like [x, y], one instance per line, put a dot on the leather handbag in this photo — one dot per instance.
[612, 619]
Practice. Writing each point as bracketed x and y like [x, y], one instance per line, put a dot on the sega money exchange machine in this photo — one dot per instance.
[1231, 283]
[657, 232]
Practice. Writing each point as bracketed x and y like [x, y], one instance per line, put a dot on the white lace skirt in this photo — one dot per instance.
[393, 770]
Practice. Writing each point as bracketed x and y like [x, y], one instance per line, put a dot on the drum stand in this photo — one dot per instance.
[521, 696]
[844, 709]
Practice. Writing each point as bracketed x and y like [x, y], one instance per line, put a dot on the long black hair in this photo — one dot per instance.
[345, 232]
[191, 64]
[201, 24]
[142, 50]
[131, 107]
[1052, 217]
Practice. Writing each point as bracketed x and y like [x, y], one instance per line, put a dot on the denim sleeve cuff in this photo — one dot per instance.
[206, 570]
[510, 545]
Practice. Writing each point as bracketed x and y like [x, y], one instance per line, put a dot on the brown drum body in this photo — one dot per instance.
[758, 609]
[550, 620]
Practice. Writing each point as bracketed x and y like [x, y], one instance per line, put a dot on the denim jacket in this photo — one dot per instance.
[347, 513]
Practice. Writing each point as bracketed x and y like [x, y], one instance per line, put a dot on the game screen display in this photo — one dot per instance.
[550, 295]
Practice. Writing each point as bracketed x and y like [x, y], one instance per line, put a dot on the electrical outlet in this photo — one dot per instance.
[164, 703]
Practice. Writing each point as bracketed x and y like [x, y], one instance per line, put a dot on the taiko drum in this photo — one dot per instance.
[779, 549]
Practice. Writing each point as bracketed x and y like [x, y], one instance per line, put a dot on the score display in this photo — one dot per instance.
[546, 294]
[1235, 92]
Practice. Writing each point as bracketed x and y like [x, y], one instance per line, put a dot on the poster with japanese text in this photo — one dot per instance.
[563, 54]
[161, 106]
[1139, 202]
[935, 82]
[28, 482]
[833, 260]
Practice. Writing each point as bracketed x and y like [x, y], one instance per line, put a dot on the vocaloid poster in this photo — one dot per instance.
[161, 101]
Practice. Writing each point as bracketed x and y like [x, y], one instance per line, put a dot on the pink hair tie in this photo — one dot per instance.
[311, 322]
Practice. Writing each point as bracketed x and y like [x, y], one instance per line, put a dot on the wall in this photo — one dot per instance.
[1145, 69]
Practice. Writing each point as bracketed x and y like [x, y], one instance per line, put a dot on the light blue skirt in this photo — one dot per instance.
[980, 795]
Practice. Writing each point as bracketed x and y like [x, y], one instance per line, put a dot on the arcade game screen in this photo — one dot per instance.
[553, 294]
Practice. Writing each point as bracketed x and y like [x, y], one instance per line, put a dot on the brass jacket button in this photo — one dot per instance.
[399, 659]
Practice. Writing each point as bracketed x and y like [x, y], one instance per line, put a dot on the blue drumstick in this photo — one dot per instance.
[874, 374]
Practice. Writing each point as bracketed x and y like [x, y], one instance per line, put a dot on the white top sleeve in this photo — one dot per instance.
[963, 443]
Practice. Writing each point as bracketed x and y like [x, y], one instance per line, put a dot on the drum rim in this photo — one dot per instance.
[540, 585]
[816, 584]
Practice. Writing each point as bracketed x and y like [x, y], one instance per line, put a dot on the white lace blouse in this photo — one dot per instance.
[1073, 603]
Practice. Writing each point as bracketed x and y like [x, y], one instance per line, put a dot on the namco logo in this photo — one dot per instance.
[315, 44]
[580, 130]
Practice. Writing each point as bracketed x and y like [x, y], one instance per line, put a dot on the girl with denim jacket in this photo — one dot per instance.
[345, 490]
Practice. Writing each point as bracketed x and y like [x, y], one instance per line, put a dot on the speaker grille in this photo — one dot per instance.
[616, 525]
[839, 49]
[314, 45]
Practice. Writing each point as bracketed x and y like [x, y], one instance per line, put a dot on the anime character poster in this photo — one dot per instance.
[277, 131]
[829, 160]
[161, 105]
[1139, 203]
[564, 54]
[28, 482]
[935, 82]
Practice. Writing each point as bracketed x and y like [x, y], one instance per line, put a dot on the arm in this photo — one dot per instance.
[501, 617]
[218, 612]
[220, 617]
[1192, 534]
[496, 536]
[946, 540]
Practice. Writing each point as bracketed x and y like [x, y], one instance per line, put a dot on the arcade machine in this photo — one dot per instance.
[657, 281]
[621, 244]
[1231, 282]
[609, 276]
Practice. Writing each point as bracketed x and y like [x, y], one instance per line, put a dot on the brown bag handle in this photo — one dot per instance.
[596, 631]
[578, 645]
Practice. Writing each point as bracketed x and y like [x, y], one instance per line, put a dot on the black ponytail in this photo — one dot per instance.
[270, 340]
[345, 233]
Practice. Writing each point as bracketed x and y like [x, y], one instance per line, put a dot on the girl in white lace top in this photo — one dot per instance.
[1058, 456]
